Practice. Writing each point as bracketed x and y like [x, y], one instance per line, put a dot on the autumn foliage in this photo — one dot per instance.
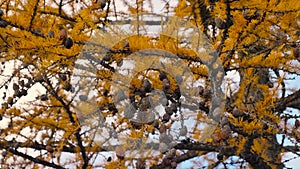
[70, 100]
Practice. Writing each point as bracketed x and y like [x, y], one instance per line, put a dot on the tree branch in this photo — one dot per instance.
[292, 101]
[36, 160]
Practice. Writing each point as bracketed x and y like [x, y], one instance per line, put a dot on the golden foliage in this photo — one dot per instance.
[252, 38]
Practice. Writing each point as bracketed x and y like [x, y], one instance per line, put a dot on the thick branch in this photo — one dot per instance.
[36, 160]
[178, 159]
[292, 101]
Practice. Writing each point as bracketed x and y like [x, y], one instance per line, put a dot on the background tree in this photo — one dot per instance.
[41, 42]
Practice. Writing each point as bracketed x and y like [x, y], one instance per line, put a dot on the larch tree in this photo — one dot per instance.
[123, 84]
